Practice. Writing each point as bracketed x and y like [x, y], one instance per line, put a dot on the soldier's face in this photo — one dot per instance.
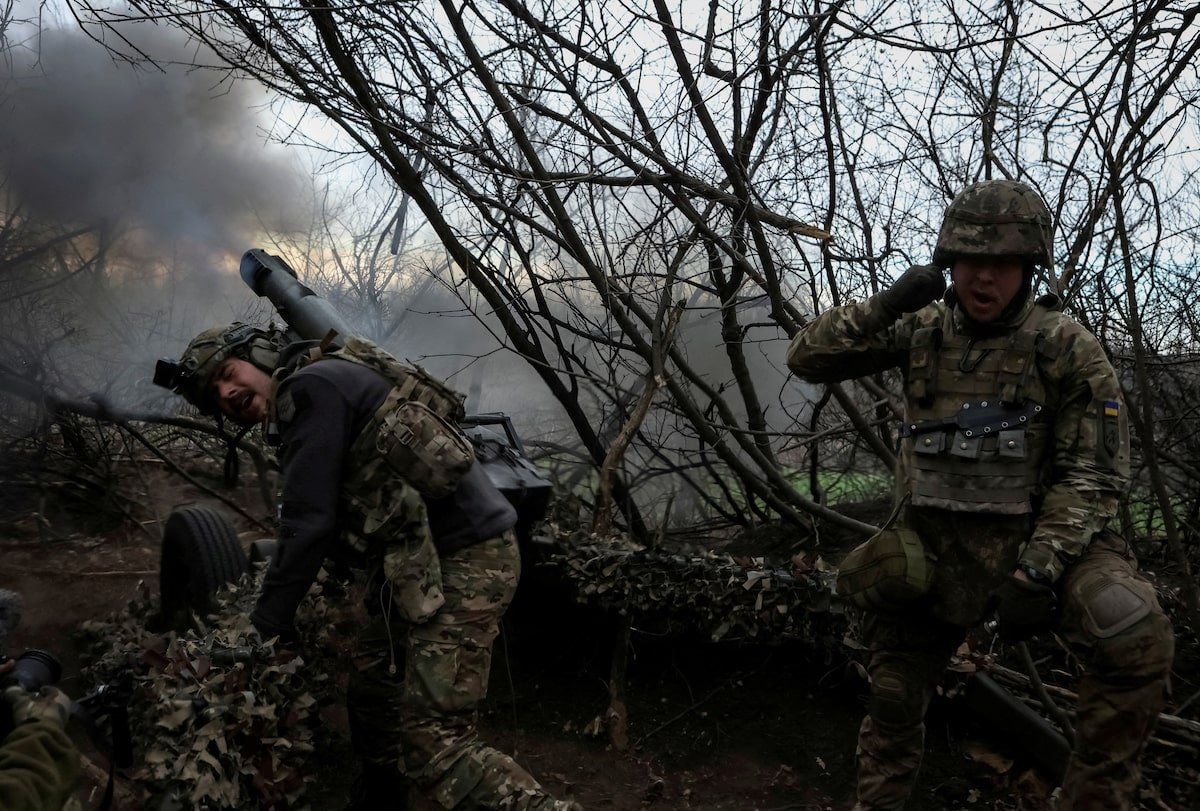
[241, 390]
[986, 284]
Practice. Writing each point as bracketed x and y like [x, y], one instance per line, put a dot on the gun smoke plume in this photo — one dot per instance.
[163, 169]
[175, 153]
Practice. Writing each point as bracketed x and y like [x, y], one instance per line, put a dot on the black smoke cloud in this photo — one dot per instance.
[172, 152]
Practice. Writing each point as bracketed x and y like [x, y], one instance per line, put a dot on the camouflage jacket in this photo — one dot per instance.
[1084, 458]
[38, 767]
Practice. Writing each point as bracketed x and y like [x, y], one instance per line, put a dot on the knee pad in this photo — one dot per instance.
[894, 702]
[1114, 606]
[1131, 633]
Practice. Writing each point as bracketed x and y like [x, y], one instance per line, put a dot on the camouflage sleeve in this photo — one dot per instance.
[847, 342]
[38, 767]
[1090, 466]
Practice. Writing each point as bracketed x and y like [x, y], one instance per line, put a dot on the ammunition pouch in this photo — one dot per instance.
[892, 570]
[421, 446]
[414, 432]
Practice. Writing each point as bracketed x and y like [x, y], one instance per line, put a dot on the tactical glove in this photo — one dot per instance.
[1024, 608]
[48, 704]
[916, 287]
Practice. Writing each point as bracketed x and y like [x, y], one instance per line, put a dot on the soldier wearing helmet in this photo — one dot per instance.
[436, 569]
[193, 376]
[1014, 456]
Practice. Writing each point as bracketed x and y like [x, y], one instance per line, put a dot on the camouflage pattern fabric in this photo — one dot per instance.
[38, 767]
[996, 218]
[1110, 616]
[1114, 624]
[415, 430]
[1086, 462]
[1125, 643]
[447, 663]
[210, 348]
[376, 683]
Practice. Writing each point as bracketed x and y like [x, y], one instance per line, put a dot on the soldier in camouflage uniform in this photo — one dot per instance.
[1015, 518]
[437, 573]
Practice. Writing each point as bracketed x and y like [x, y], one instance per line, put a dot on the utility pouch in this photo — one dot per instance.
[415, 580]
[421, 446]
[890, 571]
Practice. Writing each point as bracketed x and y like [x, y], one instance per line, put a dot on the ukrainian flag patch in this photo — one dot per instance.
[1112, 408]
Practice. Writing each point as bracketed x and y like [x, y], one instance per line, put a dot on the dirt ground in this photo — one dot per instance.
[720, 726]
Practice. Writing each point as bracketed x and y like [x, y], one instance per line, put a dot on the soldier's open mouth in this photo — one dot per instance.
[244, 406]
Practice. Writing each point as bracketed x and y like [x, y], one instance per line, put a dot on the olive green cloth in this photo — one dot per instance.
[38, 767]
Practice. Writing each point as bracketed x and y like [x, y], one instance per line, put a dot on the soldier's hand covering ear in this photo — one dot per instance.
[1023, 608]
[918, 286]
[48, 704]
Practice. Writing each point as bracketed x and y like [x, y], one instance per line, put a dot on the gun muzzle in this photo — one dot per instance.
[310, 316]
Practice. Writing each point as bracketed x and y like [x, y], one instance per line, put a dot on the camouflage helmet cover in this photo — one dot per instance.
[210, 348]
[996, 218]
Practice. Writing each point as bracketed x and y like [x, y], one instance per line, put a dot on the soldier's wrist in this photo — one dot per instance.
[882, 312]
[1033, 575]
[1042, 561]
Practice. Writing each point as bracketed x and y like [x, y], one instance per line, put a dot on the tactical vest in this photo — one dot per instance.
[978, 417]
[410, 448]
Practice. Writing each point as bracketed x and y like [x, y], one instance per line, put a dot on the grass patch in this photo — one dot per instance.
[844, 486]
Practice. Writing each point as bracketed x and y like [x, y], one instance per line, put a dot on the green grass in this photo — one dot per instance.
[1147, 517]
[848, 486]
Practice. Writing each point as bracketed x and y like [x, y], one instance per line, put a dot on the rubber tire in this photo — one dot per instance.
[200, 554]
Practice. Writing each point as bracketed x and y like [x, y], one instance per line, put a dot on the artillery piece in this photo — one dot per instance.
[201, 551]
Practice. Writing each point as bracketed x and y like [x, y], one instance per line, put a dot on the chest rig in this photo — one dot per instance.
[410, 448]
[978, 416]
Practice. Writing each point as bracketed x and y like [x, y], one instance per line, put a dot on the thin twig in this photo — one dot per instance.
[85, 573]
[1036, 680]
[199, 485]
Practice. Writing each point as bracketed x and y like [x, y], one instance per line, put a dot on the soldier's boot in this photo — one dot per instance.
[474, 775]
[380, 786]
[1119, 701]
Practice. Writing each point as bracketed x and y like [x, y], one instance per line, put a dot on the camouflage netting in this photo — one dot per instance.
[220, 718]
[719, 595]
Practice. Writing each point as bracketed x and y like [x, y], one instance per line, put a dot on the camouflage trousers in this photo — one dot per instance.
[415, 690]
[1110, 617]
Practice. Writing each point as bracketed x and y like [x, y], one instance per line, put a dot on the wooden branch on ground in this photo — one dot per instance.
[97, 409]
[1182, 728]
[1064, 722]
[85, 573]
[204, 488]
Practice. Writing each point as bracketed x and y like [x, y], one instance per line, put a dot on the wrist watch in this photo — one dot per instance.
[1034, 575]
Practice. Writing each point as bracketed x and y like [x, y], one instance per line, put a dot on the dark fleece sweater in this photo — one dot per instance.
[334, 400]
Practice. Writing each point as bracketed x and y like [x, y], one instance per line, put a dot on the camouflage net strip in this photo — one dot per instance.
[715, 594]
[221, 719]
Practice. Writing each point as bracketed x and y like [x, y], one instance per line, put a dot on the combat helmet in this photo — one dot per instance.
[191, 374]
[996, 218]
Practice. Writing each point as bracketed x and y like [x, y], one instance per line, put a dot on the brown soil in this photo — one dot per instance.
[713, 726]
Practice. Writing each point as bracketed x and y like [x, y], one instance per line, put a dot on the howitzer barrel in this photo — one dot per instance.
[310, 316]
